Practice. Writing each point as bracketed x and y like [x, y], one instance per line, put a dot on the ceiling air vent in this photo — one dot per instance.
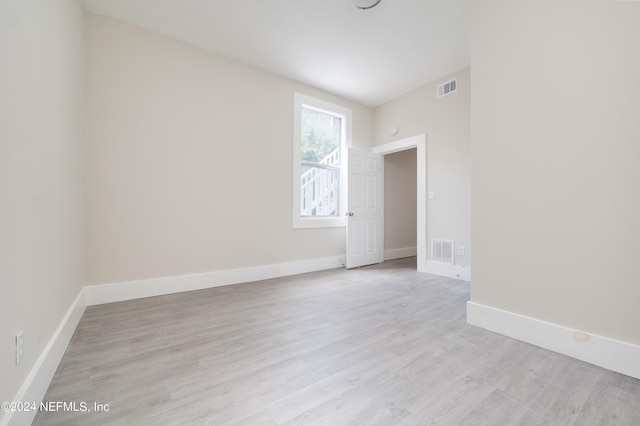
[442, 251]
[447, 87]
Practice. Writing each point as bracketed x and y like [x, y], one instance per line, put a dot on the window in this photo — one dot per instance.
[322, 132]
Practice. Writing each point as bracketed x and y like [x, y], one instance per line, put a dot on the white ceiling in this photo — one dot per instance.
[369, 56]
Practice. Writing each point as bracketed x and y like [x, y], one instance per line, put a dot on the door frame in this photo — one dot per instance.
[420, 143]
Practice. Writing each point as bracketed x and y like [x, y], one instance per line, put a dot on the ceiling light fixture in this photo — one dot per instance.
[365, 4]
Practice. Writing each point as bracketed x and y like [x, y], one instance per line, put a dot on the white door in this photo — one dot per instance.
[364, 211]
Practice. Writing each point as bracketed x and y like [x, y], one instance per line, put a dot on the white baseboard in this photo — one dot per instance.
[399, 253]
[116, 292]
[37, 382]
[602, 351]
[447, 270]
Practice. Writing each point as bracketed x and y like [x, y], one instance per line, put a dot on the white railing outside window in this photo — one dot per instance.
[320, 185]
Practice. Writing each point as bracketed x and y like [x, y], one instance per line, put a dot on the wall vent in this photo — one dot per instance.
[442, 251]
[447, 87]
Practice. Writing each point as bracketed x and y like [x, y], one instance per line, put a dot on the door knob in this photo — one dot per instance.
[349, 214]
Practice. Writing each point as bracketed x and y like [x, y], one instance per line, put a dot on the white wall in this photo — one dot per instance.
[189, 160]
[400, 200]
[555, 150]
[446, 122]
[41, 201]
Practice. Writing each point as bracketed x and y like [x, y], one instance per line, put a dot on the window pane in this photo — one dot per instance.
[320, 137]
[319, 191]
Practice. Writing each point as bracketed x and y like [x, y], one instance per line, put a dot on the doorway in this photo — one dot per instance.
[400, 204]
[419, 143]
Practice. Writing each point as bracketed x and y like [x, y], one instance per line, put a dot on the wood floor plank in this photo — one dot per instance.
[380, 345]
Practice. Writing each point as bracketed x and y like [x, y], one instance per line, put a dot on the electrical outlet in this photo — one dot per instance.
[460, 251]
[19, 348]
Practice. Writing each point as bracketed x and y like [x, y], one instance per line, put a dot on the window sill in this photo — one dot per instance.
[319, 222]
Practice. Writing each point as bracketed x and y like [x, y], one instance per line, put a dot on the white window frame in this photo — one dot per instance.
[300, 101]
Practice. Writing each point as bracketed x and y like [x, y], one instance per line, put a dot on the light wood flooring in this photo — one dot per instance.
[380, 345]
